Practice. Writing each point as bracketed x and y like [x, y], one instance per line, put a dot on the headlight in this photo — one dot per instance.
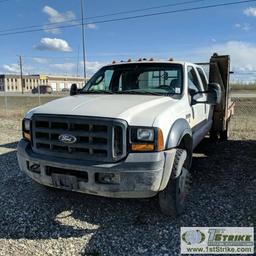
[145, 134]
[26, 128]
[145, 139]
[26, 124]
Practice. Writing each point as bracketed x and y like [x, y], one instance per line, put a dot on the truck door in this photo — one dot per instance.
[198, 112]
[204, 84]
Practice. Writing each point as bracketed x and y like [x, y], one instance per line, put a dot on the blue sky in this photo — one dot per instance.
[191, 36]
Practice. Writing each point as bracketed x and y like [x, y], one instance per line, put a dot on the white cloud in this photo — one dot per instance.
[53, 44]
[14, 68]
[11, 68]
[50, 29]
[242, 55]
[54, 17]
[251, 11]
[64, 66]
[40, 60]
[92, 66]
[244, 26]
[91, 26]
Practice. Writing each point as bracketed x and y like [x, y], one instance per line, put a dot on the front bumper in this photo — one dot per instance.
[140, 175]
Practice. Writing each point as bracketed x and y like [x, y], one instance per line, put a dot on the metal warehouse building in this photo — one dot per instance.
[12, 83]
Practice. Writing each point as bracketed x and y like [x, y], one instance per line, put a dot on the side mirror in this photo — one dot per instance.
[73, 90]
[213, 95]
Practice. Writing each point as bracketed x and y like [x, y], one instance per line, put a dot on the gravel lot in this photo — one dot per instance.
[38, 221]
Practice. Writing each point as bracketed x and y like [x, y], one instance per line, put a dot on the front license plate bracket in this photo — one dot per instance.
[68, 182]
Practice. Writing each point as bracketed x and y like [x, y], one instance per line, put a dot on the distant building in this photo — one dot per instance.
[12, 83]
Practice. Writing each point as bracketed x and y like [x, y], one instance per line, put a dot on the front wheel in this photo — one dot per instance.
[172, 199]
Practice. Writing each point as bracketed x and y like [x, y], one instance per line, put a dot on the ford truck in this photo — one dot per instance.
[130, 131]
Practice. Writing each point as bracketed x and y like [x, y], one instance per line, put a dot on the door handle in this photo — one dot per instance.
[188, 116]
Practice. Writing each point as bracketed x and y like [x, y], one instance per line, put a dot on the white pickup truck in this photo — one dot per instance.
[129, 133]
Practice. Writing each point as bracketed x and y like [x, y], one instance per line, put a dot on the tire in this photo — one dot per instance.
[213, 135]
[224, 135]
[172, 199]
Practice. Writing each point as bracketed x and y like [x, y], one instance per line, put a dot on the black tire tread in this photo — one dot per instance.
[167, 198]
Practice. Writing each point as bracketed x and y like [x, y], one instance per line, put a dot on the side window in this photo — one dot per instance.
[102, 82]
[203, 78]
[193, 82]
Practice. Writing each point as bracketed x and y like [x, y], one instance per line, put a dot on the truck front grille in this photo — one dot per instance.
[99, 139]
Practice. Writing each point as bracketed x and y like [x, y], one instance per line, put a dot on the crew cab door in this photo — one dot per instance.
[198, 118]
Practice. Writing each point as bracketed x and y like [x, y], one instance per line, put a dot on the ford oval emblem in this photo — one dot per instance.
[67, 138]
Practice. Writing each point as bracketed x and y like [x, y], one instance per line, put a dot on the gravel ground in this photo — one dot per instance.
[38, 221]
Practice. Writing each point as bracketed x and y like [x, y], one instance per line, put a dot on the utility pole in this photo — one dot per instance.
[83, 38]
[21, 74]
[77, 64]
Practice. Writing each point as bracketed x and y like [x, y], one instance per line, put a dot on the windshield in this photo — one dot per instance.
[146, 78]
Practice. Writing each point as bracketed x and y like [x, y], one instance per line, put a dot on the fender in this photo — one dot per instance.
[178, 130]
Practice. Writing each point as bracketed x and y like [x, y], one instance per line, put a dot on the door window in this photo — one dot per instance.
[203, 78]
[102, 82]
[193, 82]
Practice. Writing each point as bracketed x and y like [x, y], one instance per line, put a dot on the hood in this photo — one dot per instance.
[135, 109]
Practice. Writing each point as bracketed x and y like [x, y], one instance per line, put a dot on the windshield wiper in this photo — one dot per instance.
[97, 92]
[138, 92]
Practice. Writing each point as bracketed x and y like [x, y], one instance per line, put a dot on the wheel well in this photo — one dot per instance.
[186, 143]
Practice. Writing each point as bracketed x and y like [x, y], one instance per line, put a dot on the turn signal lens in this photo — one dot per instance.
[143, 147]
[145, 139]
[26, 127]
[27, 136]
[160, 140]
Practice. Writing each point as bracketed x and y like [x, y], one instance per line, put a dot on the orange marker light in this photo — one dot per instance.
[160, 140]
[143, 147]
[27, 136]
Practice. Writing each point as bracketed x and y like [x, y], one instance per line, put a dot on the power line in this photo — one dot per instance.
[134, 17]
[102, 16]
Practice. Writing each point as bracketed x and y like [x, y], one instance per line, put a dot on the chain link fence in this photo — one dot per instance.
[17, 104]
[14, 107]
[243, 123]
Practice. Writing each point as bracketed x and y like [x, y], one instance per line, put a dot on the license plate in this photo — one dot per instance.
[64, 181]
